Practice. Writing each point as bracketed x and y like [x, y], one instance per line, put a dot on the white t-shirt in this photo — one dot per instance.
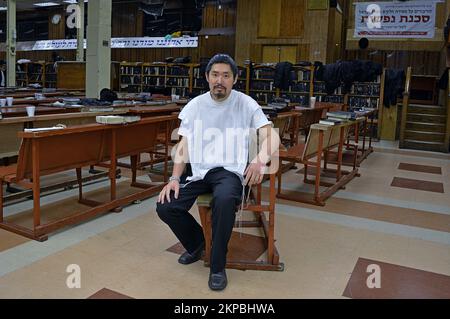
[218, 133]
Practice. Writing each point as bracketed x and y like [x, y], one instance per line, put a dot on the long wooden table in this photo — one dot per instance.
[20, 110]
[48, 152]
[146, 111]
[10, 142]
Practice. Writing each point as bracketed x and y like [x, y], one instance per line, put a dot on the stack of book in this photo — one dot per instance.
[338, 117]
[330, 121]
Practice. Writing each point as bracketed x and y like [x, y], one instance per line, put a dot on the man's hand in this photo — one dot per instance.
[254, 173]
[165, 193]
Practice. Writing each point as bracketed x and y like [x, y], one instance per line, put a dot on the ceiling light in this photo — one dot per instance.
[73, 1]
[46, 4]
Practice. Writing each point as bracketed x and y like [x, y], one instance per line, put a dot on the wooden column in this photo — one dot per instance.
[11, 39]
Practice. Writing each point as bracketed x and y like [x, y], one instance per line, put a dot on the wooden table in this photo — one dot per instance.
[37, 102]
[49, 152]
[9, 127]
[146, 111]
[20, 110]
[59, 93]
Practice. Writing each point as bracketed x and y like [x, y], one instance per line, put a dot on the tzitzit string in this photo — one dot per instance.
[244, 202]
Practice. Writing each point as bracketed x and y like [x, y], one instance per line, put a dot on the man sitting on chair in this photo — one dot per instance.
[216, 130]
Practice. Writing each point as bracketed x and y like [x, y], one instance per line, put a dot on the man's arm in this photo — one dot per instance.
[269, 144]
[180, 160]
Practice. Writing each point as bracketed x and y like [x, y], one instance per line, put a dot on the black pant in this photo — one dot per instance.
[226, 188]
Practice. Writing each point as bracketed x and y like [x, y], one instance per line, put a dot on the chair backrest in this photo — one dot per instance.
[310, 116]
[332, 107]
[331, 138]
[312, 142]
[283, 121]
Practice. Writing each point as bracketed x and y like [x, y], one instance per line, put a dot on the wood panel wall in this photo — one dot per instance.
[127, 21]
[57, 31]
[215, 18]
[281, 22]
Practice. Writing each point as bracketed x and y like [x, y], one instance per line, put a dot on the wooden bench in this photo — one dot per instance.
[48, 152]
[321, 139]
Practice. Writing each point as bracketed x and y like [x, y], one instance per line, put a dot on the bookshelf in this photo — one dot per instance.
[36, 73]
[179, 79]
[368, 95]
[153, 75]
[199, 84]
[321, 94]
[364, 95]
[243, 82]
[22, 74]
[50, 75]
[256, 80]
[42, 73]
[300, 89]
[130, 77]
[261, 83]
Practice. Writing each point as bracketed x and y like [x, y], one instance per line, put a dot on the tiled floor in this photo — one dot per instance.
[326, 250]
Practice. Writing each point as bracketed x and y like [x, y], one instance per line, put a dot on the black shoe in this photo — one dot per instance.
[186, 258]
[218, 281]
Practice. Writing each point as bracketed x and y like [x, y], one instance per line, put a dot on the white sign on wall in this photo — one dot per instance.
[120, 43]
[411, 19]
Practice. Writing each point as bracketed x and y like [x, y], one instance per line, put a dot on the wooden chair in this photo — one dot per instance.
[272, 259]
[308, 118]
[312, 116]
[321, 139]
[287, 124]
[267, 223]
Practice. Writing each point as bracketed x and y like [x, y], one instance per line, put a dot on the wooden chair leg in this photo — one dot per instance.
[1, 201]
[80, 184]
[280, 171]
[270, 238]
[134, 164]
[151, 160]
[205, 218]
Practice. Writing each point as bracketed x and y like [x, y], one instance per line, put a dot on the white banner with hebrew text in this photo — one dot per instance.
[411, 19]
[118, 43]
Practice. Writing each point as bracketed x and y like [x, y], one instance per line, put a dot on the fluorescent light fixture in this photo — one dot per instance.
[3, 8]
[46, 4]
[73, 1]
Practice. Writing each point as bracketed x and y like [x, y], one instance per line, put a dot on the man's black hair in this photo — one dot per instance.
[2, 62]
[225, 59]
